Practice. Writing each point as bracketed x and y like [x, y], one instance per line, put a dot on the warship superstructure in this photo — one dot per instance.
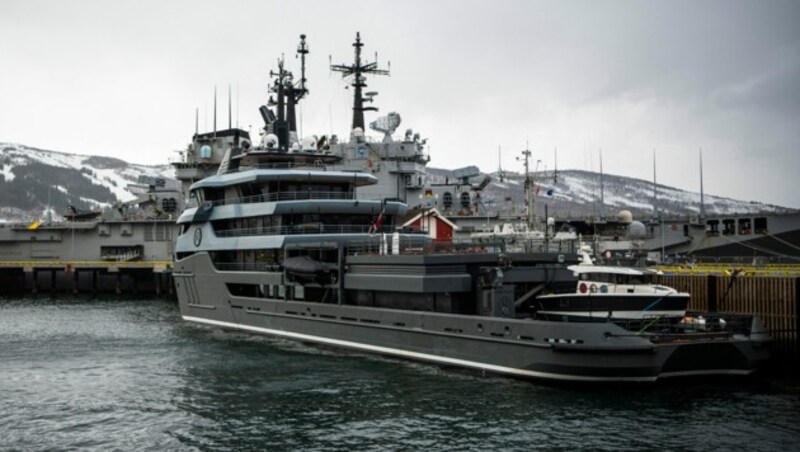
[134, 239]
[280, 242]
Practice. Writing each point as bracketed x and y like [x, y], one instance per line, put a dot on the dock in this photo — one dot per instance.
[775, 299]
[77, 276]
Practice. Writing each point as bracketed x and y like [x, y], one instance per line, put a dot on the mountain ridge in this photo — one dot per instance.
[33, 179]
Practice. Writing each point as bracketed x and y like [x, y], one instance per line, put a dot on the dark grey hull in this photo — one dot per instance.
[584, 352]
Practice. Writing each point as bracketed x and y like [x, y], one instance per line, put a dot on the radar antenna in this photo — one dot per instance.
[386, 124]
[359, 81]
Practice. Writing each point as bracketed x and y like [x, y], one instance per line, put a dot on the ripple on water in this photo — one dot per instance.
[128, 374]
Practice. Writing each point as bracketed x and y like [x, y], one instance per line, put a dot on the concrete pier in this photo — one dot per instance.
[139, 277]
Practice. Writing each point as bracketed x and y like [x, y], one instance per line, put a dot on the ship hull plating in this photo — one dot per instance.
[563, 351]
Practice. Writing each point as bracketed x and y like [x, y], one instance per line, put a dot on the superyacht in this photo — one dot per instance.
[278, 242]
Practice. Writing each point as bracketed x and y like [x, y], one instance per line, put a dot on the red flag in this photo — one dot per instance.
[377, 225]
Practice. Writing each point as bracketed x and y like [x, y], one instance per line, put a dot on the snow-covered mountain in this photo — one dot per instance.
[32, 179]
[576, 193]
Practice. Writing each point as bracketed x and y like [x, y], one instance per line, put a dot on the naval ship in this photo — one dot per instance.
[280, 242]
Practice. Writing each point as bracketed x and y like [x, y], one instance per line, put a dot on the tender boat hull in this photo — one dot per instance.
[613, 306]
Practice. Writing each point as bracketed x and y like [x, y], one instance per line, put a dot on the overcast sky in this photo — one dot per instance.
[123, 79]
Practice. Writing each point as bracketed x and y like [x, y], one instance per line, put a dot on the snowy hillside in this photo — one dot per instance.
[32, 179]
[576, 193]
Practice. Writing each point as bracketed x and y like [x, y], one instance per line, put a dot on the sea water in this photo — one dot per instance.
[129, 374]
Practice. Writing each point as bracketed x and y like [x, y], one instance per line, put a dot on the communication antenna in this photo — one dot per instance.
[702, 199]
[215, 111]
[602, 187]
[529, 186]
[655, 192]
[237, 104]
[358, 71]
[230, 116]
[555, 166]
[196, 120]
[500, 162]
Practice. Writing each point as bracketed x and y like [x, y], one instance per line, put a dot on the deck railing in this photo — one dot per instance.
[287, 196]
[307, 228]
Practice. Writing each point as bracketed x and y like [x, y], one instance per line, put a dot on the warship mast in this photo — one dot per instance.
[358, 71]
[529, 189]
[296, 92]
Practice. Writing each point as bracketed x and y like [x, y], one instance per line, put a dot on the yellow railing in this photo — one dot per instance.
[730, 269]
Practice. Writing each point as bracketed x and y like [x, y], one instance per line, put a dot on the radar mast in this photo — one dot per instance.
[358, 71]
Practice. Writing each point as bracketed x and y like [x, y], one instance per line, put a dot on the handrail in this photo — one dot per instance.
[306, 228]
[287, 196]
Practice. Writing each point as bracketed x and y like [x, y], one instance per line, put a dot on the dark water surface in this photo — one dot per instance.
[103, 374]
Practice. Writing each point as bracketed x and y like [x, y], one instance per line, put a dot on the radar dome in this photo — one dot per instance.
[309, 144]
[625, 216]
[637, 230]
[358, 132]
[271, 141]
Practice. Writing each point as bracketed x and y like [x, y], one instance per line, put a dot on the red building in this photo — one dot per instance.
[435, 224]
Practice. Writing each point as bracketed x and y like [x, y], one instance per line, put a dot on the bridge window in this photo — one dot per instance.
[712, 227]
[745, 227]
[760, 225]
[465, 200]
[728, 227]
[169, 205]
[447, 200]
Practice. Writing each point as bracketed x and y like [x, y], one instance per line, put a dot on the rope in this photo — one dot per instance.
[638, 333]
[652, 304]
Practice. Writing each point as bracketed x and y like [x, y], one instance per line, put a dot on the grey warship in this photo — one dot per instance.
[277, 242]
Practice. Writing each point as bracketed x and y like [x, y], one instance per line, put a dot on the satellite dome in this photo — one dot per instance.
[637, 230]
[295, 147]
[551, 221]
[358, 132]
[309, 144]
[625, 216]
[271, 141]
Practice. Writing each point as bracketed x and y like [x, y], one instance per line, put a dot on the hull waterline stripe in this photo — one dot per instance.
[418, 355]
[625, 315]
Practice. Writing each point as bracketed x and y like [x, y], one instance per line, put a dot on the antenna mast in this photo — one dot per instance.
[655, 192]
[358, 71]
[702, 199]
[602, 190]
[529, 187]
[500, 162]
[555, 167]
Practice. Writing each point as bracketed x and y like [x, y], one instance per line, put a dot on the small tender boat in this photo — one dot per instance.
[608, 292]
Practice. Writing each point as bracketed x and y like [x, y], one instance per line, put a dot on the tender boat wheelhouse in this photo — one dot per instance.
[604, 293]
